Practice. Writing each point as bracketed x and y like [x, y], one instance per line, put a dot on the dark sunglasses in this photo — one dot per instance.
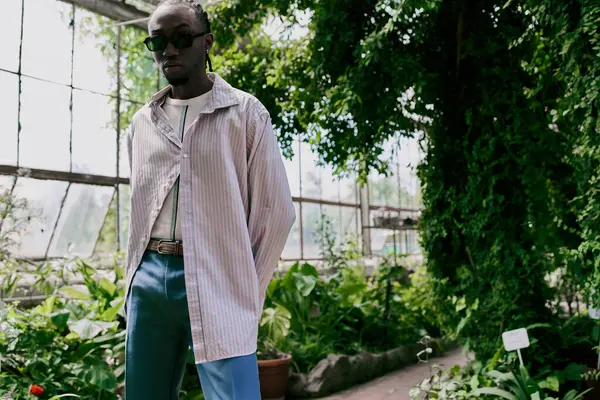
[179, 40]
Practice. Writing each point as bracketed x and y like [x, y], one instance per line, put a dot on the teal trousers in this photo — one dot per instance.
[159, 336]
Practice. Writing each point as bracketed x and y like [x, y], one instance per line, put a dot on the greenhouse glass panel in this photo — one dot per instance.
[31, 226]
[383, 190]
[409, 157]
[333, 215]
[312, 186]
[124, 213]
[94, 134]
[292, 169]
[128, 109]
[292, 246]
[45, 125]
[330, 184]
[139, 73]
[81, 220]
[6, 183]
[9, 105]
[10, 31]
[107, 241]
[349, 190]
[382, 242]
[311, 221]
[94, 56]
[350, 222]
[47, 40]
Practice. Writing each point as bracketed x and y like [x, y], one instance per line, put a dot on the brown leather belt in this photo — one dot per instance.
[168, 247]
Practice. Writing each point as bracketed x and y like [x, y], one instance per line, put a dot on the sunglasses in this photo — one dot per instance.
[179, 40]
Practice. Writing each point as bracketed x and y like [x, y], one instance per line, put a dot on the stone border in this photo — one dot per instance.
[339, 372]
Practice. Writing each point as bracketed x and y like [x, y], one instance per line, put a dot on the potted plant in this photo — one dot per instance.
[273, 365]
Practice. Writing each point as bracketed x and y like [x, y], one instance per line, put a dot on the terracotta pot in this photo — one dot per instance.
[273, 375]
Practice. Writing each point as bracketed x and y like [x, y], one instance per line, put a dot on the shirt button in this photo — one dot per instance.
[185, 156]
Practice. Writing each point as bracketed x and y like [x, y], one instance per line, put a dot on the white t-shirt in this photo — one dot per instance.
[181, 113]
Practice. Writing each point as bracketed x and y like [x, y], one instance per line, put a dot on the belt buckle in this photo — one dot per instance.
[158, 250]
[160, 242]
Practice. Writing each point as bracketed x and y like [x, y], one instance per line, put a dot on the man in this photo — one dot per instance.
[211, 210]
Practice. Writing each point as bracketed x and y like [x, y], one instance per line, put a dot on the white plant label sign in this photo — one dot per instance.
[594, 313]
[515, 340]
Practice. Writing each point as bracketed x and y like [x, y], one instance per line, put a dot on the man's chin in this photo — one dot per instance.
[176, 80]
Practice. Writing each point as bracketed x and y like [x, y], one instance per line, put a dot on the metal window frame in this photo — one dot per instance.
[136, 18]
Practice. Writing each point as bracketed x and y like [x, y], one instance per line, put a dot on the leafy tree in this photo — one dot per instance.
[497, 180]
[569, 54]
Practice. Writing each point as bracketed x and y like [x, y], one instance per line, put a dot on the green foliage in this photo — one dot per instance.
[570, 56]
[307, 315]
[343, 310]
[73, 343]
[487, 222]
[560, 374]
[339, 86]
[478, 382]
[507, 96]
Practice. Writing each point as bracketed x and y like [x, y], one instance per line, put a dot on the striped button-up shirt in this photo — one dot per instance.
[236, 207]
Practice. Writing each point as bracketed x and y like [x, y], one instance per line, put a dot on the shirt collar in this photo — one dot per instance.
[223, 95]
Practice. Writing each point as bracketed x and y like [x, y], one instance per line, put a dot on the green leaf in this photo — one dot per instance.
[60, 320]
[119, 371]
[101, 377]
[110, 314]
[474, 382]
[108, 286]
[461, 325]
[495, 392]
[87, 329]
[574, 371]
[308, 269]
[276, 321]
[573, 395]
[195, 394]
[550, 383]
[73, 293]
[47, 306]
[540, 325]
[120, 272]
[273, 286]
[352, 289]
[305, 283]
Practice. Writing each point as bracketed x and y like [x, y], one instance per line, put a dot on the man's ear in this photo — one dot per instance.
[209, 40]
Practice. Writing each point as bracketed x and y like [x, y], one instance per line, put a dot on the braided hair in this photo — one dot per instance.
[201, 15]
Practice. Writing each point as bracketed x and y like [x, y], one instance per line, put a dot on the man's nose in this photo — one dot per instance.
[170, 50]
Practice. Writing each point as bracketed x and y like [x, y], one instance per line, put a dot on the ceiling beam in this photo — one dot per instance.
[115, 10]
[74, 177]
